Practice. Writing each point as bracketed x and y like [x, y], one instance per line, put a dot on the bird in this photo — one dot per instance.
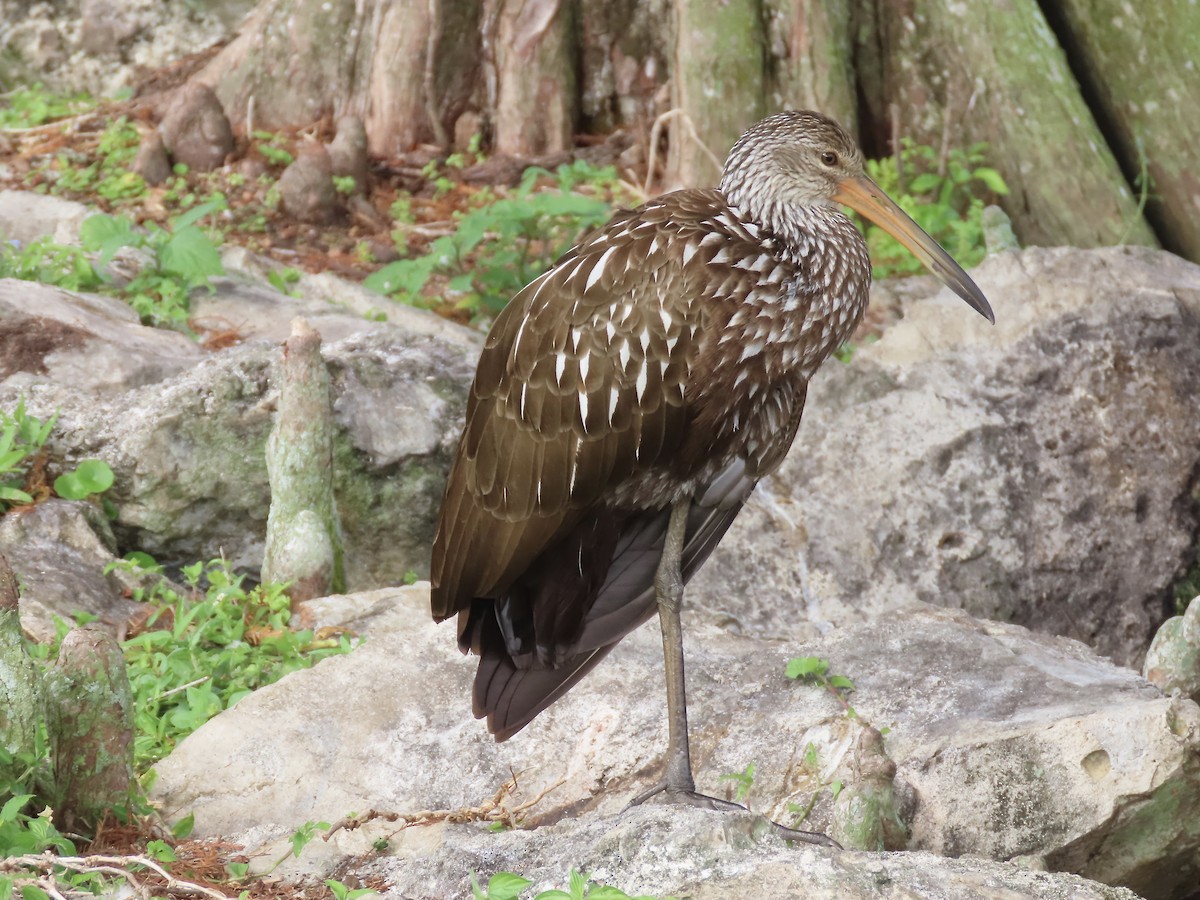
[628, 400]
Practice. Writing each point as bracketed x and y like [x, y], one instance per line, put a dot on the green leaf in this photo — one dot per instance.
[506, 886]
[841, 682]
[196, 213]
[92, 476]
[183, 828]
[237, 869]
[993, 179]
[605, 892]
[160, 851]
[14, 495]
[806, 666]
[98, 230]
[14, 805]
[190, 255]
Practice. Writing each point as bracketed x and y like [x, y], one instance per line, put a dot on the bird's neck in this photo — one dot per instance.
[826, 297]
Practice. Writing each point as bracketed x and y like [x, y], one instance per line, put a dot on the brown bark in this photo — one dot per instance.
[625, 49]
[718, 85]
[954, 73]
[1140, 67]
[296, 61]
[533, 48]
[810, 64]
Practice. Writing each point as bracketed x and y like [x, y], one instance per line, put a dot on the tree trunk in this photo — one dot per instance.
[304, 535]
[535, 105]
[810, 61]
[1139, 68]
[405, 67]
[955, 72]
[90, 717]
[717, 87]
[625, 49]
[20, 694]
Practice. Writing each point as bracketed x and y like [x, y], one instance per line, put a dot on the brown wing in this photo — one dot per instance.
[580, 384]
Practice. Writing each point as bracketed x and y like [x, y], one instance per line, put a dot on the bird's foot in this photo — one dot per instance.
[703, 801]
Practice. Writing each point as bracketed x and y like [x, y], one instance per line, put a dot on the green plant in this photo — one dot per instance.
[22, 438]
[744, 781]
[507, 886]
[814, 670]
[106, 173]
[92, 476]
[1187, 588]
[284, 279]
[344, 184]
[341, 892]
[499, 248]
[212, 646]
[31, 106]
[942, 196]
[812, 763]
[270, 146]
[45, 261]
[181, 259]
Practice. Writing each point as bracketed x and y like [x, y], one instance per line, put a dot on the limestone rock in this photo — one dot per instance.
[25, 216]
[188, 452]
[60, 558]
[1173, 661]
[1006, 743]
[1038, 472]
[92, 344]
[683, 852]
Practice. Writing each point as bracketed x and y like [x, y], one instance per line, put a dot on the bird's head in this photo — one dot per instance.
[792, 161]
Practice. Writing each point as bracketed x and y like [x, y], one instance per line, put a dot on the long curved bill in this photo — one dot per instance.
[864, 196]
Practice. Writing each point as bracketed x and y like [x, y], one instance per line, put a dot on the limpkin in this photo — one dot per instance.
[628, 400]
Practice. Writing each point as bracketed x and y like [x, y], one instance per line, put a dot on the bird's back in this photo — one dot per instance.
[666, 356]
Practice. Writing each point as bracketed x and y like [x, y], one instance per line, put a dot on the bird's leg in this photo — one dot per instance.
[679, 786]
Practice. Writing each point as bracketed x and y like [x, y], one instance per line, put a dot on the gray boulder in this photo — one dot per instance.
[1007, 744]
[691, 853]
[59, 550]
[85, 343]
[1040, 472]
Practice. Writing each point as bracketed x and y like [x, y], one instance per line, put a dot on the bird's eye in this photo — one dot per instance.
[829, 158]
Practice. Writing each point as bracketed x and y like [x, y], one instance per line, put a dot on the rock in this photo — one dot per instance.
[60, 559]
[188, 452]
[26, 216]
[1005, 743]
[683, 852]
[98, 46]
[1040, 471]
[104, 26]
[1173, 661]
[306, 187]
[196, 130]
[90, 343]
[151, 161]
[348, 152]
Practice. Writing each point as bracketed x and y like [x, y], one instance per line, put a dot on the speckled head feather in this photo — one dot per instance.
[787, 162]
[664, 359]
